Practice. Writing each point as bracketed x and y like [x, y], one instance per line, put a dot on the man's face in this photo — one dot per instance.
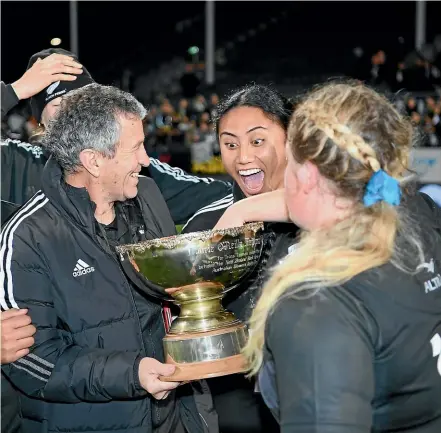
[253, 149]
[118, 176]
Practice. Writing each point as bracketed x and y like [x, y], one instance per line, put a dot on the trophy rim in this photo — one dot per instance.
[171, 242]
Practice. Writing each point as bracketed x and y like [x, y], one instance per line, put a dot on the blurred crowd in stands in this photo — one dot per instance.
[415, 72]
[181, 132]
[185, 126]
[425, 112]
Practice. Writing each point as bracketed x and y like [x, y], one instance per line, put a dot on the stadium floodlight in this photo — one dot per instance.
[193, 50]
[55, 42]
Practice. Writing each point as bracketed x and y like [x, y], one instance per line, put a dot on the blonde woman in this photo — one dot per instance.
[346, 336]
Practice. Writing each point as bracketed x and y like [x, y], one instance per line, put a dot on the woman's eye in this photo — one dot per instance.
[231, 145]
[257, 141]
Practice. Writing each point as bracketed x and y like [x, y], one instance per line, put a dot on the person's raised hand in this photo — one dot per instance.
[56, 67]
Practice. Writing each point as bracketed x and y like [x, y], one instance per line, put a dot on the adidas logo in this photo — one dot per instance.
[82, 268]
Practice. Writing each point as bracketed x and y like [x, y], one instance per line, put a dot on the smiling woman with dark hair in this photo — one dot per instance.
[251, 126]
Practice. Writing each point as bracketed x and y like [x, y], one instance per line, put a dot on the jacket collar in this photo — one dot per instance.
[74, 203]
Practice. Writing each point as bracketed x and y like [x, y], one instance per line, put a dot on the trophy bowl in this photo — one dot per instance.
[194, 271]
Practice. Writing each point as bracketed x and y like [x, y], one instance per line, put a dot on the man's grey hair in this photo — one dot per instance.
[89, 119]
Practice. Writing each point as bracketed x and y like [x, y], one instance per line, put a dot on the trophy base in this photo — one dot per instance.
[206, 354]
[206, 369]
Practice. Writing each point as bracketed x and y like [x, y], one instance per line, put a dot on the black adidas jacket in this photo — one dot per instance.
[364, 357]
[22, 166]
[239, 408]
[81, 374]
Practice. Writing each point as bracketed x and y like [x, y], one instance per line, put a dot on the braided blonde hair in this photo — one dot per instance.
[344, 138]
[349, 132]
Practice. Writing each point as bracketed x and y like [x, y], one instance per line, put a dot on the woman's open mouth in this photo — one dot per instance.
[252, 180]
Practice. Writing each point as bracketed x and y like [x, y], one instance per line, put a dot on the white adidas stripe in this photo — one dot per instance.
[29, 204]
[30, 372]
[41, 360]
[34, 366]
[7, 236]
[178, 173]
[35, 150]
[221, 200]
[5, 231]
[215, 206]
[27, 363]
[226, 199]
[210, 208]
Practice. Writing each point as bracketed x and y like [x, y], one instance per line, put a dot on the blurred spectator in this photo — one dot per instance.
[204, 117]
[208, 135]
[418, 77]
[199, 104]
[378, 61]
[374, 70]
[424, 113]
[201, 151]
[393, 69]
[183, 109]
[189, 82]
[214, 100]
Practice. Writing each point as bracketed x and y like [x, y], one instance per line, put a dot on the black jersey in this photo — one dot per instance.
[365, 357]
[240, 409]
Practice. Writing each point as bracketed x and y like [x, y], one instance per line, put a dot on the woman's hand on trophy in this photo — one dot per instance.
[150, 370]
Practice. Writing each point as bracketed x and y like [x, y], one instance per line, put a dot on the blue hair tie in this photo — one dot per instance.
[382, 187]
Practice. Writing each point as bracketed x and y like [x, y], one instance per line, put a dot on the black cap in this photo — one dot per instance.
[59, 88]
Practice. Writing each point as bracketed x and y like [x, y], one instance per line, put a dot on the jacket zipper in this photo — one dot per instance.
[131, 297]
[203, 419]
[155, 408]
[92, 236]
[124, 279]
[152, 403]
